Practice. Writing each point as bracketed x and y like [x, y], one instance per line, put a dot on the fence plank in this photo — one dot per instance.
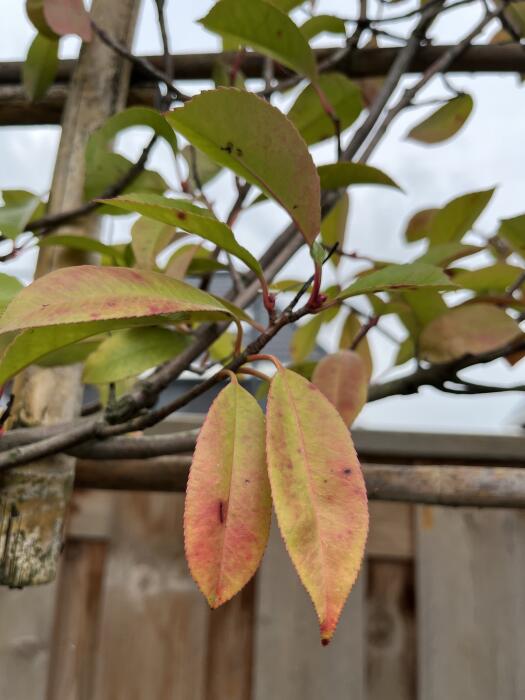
[76, 626]
[471, 603]
[391, 652]
[154, 620]
[289, 660]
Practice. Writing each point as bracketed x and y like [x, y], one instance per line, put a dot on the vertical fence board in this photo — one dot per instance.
[471, 603]
[154, 620]
[230, 648]
[289, 660]
[76, 626]
[391, 644]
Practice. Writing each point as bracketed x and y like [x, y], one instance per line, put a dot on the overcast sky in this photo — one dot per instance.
[488, 152]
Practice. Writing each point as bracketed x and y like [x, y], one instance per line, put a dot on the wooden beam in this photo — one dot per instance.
[199, 66]
[442, 485]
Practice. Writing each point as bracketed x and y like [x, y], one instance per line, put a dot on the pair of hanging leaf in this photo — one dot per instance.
[302, 458]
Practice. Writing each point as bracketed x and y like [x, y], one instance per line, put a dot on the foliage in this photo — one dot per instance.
[146, 304]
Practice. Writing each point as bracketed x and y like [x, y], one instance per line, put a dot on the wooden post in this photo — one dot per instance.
[33, 499]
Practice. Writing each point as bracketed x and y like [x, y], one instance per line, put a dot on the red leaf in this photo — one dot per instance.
[68, 17]
[228, 507]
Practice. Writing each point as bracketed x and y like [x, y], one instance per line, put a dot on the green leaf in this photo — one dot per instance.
[88, 293]
[304, 337]
[190, 218]
[130, 352]
[513, 231]
[351, 328]
[445, 253]
[406, 351]
[343, 378]
[333, 226]
[227, 510]
[70, 355]
[323, 23]
[398, 277]
[89, 245]
[149, 238]
[467, 330]
[265, 28]
[179, 263]
[318, 492]
[444, 122]
[420, 225]
[246, 134]
[35, 13]
[9, 288]
[18, 210]
[104, 168]
[457, 217]
[286, 5]
[494, 278]
[338, 175]
[40, 66]
[201, 168]
[310, 118]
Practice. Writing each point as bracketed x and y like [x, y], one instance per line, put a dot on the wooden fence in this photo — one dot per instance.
[437, 614]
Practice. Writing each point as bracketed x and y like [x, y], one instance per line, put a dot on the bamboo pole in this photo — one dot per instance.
[33, 498]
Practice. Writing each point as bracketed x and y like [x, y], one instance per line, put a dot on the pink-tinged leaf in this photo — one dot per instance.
[245, 133]
[68, 17]
[318, 492]
[228, 507]
[467, 330]
[88, 293]
[343, 379]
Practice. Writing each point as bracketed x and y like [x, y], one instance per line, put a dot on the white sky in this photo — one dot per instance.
[489, 151]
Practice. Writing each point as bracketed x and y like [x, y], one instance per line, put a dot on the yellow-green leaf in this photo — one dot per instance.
[309, 116]
[254, 139]
[228, 507]
[318, 492]
[493, 278]
[130, 352]
[265, 28]
[409, 276]
[333, 226]
[343, 378]
[323, 23]
[18, 210]
[336, 175]
[513, 231]
[149, 238]
[456, 218]
[40, 66]
[420, 224]
[445, 122]
[467, 330]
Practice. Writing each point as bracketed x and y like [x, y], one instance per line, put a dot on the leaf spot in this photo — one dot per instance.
[228, 148]
[347, 471]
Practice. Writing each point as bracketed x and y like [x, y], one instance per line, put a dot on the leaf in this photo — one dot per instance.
[323, 23]
[246, 134]
[104, 168]
[228, 508]
[265, 28]
[406, 351]
[223, 347]
[352, 326]
[181, 260]
[130, 352]
[84, 243]
[70, 355]
[420, 224]
[206, 169]
[286, 5]
[494, 278]
[309, 116]
[458, 216]
[88, 293]
[35, 13]
[343, 379]
[18, 210]
[338, 175]
[445, 122]
[467, 330]
[513, 231]
[408, 276]
[304, 337]
[190, 218]
[333, 226]
[148, 239]
[68, 17]
[318, 492]
[445, 253]
[9, 287]
[40, 66]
